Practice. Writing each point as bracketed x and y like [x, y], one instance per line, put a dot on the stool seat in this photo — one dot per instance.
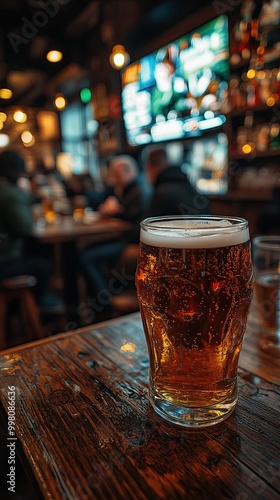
[19, 289]
[125, 302]
[18, 282]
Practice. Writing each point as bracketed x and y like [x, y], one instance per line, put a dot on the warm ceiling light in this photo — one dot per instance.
[6, 94]
[118, 57]
[54, 56]
[1, 125]
[3, 117]
[19, 116]
[251, 73]
[27, 138]
[247, 149]
[4, 140]
[60, 102]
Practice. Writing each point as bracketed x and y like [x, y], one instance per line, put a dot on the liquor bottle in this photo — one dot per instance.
[275, 137]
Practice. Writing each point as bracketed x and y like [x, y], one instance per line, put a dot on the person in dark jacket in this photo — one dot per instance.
[173, 193]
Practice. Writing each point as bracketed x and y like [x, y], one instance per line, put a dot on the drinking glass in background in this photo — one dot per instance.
[266, 258]
[194, 285]
[79, 204]
[49, 212]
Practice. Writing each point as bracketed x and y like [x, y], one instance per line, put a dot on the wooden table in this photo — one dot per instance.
[67, 229]
[66, 236]
[85, 429]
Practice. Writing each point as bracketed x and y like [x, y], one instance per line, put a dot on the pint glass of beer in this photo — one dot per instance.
[194, 286]
[266, 258]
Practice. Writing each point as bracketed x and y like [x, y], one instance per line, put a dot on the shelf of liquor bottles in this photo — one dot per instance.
[234, 155]
[253, 113]
[260, 108]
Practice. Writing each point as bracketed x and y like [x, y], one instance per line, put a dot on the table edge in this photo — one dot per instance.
[77, 331]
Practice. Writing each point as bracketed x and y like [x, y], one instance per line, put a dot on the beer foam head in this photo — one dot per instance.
[194, 232]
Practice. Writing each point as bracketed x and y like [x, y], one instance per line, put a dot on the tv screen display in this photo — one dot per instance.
[206, 164]
[180, 90]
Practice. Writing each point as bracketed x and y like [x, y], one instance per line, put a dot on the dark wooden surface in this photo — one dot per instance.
[86, 431]
[67, 229]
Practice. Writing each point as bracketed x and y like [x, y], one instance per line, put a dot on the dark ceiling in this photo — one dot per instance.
[85, 31]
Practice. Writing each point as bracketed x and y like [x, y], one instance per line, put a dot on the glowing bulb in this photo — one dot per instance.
[118, 60]
[27, 138]
[19, 116]
[60, 102]
[270, 101]
[54, 56]
[251, 73]
[247, 149]
[6, 94]
[118, 57]
[3, 117]
[4, 140]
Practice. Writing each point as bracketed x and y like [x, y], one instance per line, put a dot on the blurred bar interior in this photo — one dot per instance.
[68, 114]
[84, 81]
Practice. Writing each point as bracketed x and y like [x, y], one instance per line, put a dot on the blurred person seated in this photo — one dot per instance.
[173, 193]
[130, 193]
[268, 221]
[129, 202]
[16, 224]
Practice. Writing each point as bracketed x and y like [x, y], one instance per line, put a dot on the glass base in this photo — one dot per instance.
[192, 417]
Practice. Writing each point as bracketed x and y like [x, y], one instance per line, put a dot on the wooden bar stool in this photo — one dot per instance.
[19, 290]
[126, 301]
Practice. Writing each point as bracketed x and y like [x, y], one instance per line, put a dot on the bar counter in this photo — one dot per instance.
[85, 429]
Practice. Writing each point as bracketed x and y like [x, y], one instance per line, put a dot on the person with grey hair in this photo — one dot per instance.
[129, 195]
[128, 202]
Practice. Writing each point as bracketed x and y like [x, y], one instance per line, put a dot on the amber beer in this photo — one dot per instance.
[266, 253]
[194, 285]
[268, 298]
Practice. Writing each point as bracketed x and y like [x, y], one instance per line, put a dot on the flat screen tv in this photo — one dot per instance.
[179, 90]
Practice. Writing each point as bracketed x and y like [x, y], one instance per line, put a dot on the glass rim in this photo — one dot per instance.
[271, 242]
[151, 222]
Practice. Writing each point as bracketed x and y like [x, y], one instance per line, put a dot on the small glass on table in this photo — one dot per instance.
[266, 258]
[194, 285]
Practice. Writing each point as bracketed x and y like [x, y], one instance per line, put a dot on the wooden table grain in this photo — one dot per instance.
[67, 229]
[85, 429]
